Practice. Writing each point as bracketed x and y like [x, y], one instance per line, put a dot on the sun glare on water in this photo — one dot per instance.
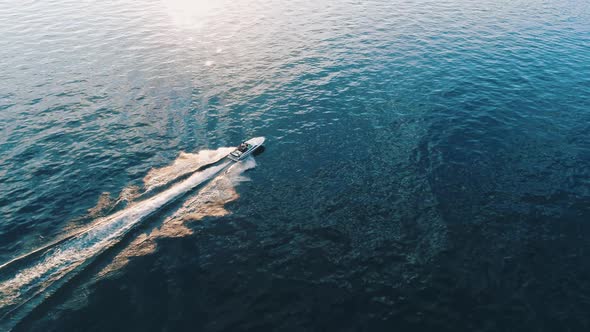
[191, 13]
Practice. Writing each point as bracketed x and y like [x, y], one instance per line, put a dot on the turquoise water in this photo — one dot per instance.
[426, 164]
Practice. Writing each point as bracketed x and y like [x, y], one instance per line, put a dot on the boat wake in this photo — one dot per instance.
[208, 202]
[27, 281]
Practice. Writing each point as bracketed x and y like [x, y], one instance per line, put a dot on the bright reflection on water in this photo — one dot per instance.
[192, 14]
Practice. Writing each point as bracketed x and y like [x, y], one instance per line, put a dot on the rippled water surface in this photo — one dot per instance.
[426, 168]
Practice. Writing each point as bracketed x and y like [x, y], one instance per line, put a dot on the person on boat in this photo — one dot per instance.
[243, 147]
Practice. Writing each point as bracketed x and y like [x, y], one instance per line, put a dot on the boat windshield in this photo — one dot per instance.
[243, 147]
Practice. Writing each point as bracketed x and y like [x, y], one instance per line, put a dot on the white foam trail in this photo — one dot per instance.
[59, 260]
[186, 163]
[209, 201]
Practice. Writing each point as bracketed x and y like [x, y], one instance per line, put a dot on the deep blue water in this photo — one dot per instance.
[427, 164]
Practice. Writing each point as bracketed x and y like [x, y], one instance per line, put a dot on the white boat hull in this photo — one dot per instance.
[252, 145]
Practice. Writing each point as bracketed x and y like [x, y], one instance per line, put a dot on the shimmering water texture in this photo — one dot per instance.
[427, 165]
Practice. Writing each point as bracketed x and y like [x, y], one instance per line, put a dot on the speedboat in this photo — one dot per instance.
[246, 148]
